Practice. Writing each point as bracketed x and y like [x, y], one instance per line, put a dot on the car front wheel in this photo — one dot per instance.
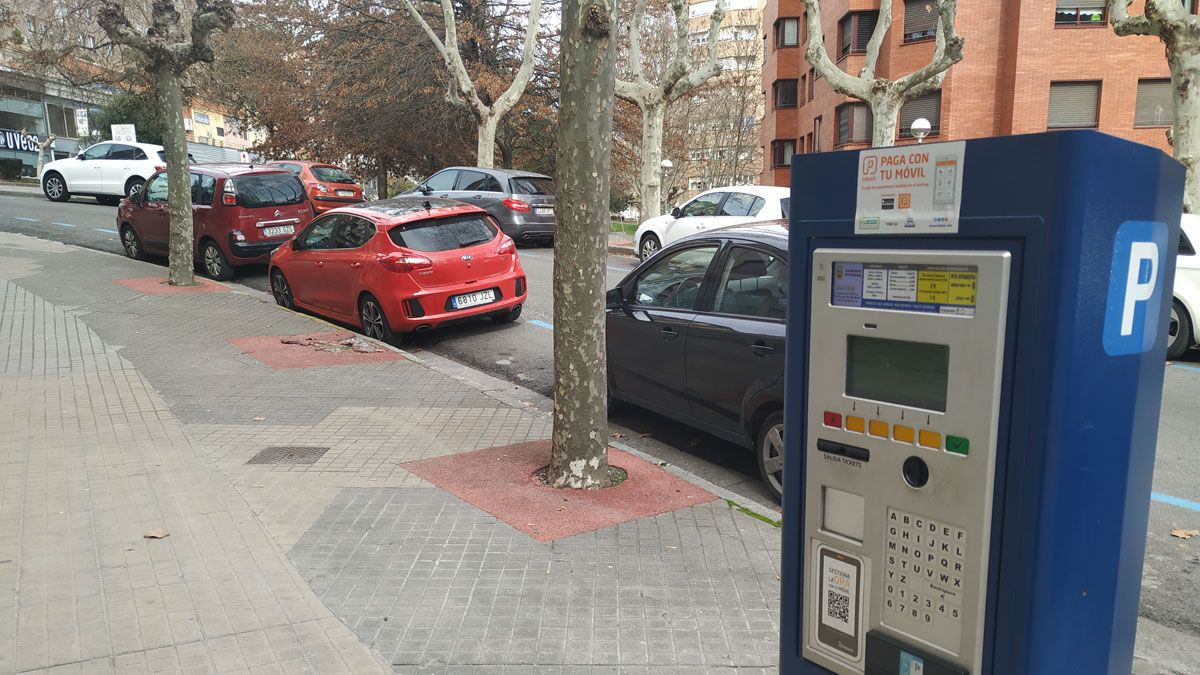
[770, 453]
[55, 188]
[649, 246]
[1179, 332]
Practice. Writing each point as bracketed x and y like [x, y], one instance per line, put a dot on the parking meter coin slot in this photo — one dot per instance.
[843, 450]
[916, 472]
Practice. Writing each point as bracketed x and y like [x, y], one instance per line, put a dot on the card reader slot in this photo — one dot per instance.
[843, 450]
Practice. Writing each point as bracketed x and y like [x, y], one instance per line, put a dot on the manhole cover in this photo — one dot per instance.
[288, 455]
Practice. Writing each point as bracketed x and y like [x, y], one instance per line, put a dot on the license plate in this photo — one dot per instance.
[278, 231]
[345, 193]
[473, 299]
[544, 210]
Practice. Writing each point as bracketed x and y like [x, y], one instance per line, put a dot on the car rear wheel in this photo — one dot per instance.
[770, 453]
[374, 321]
[649, 246]
[282, 290]
[55, 188]
[508, 317]
[132, 243]
[1179, 332]
[216, 266]
[134, 186]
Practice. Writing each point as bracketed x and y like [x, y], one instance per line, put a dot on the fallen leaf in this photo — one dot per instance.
[645, 435]
[259, 419]
[157, 533]
[1184, 534]
[662, 463]
[617, 434]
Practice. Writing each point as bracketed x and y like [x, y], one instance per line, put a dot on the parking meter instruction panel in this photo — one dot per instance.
[906, 352]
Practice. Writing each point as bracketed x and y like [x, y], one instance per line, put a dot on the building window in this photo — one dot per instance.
[853, 123]
[854, 32]
[785, 93]
[220, 132]
[1081, 13]
[1155, 105]
[782, 151]
[928, 106]
[808, 143]
[201, 118]
[812, 83]
[62, 121]
[787, 32]
[816, 132]
[803, 91]
[920, 20]
[1074, 105]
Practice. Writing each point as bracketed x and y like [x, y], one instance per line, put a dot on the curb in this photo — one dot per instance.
[19, 191]
[620, 249]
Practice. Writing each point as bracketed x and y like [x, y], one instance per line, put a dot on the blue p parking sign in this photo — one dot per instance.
[1134, 287]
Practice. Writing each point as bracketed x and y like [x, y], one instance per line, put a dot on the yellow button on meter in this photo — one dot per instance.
[930, 439]
[879, 428]
[856, 424]
[902, 433]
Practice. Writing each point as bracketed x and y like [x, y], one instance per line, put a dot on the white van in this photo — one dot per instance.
[1181, 334]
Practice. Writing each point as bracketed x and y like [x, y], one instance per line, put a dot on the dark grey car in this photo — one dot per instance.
[520, 201]
[696, 333]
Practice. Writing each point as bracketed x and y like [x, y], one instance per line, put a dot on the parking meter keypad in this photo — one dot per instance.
[923, 575]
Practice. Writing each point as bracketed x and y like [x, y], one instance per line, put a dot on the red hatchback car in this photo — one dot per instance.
[240, 213]
[327, 185]
[401, 265]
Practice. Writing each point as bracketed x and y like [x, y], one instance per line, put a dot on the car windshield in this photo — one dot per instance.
[444, 234]
[272, 189]
[331, 174]
[532, 186]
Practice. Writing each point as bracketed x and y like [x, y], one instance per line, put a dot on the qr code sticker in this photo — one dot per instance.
[837, 606]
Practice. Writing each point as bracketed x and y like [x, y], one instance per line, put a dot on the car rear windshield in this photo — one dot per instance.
[272, 189]
[532, 186]
[331, 174]
[162, 156]
[444, 234]
[785, 206]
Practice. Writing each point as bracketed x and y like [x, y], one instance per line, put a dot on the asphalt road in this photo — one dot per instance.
[521, 353]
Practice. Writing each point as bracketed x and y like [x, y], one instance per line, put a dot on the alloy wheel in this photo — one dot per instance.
[136, 188]
[1173, 327]
[772, 457]
[54, 187]
[281, 290]
[649, 247]
[212, 261]
[372, 320]
[130, 241]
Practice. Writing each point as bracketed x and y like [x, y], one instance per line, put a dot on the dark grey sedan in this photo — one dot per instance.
[696, 333]
[521, 202]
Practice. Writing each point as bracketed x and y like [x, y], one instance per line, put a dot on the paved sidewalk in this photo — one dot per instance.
[299, 542]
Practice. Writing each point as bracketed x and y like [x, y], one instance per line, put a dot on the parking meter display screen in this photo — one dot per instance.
[912, 374]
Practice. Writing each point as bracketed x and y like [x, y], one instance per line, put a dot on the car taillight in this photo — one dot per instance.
[322, 187]
[516, 205]
[159, 167]
[507, 246]
[404, 262]
[229, 195]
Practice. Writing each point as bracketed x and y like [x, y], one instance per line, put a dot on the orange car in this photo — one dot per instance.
[328, 186]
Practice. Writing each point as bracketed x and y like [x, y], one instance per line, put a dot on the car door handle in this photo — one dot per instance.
[320, 263]
[761, 348]
[476, 196]
[669, 333]
[356, 264]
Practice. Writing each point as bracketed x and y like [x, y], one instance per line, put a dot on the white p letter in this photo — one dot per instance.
[1135, 290]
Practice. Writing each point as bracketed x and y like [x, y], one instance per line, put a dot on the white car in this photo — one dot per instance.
[711, 209]
[1181, 334]
[107, 171]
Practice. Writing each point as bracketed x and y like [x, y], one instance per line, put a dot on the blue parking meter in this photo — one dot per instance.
[974, 374]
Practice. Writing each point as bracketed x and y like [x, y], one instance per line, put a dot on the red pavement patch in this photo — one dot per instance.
[500, 481]
[272, 351]
[159, 286]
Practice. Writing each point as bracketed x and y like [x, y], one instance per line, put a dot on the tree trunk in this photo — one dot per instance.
[381, 178]
[579, 454]
[485, 147]
[652, 170]
[1185, 78]
[179, 183]
[885, 115]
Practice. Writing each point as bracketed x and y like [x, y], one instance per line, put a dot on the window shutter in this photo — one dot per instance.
[862, 122]
[1073, 104]
[863, 29]
[843, 122]
[1155, 106]
[928, 106]
[920, 18]
[1082, 4]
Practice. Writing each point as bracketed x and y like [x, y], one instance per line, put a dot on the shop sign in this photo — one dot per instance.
[18, 140]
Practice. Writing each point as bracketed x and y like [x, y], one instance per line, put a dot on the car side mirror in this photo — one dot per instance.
[296, 245]
[614, 299]
[676, 212]
[80, 157]
[424, 189]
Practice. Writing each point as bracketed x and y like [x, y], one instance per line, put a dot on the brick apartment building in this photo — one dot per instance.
[1028, 66]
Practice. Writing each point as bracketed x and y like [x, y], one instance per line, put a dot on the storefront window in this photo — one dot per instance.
[62, 121]
[22, 115]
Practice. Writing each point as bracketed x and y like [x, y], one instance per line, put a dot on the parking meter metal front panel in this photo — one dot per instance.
[904, 388]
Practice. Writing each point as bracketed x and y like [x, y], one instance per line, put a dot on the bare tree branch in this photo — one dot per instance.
[876, 42]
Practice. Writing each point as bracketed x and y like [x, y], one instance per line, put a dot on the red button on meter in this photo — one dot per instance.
[833, 419]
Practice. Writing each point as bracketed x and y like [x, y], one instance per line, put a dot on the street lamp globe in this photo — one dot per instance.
[921, 128]
[666, 164]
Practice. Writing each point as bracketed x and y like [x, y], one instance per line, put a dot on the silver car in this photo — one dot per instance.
[520, 201]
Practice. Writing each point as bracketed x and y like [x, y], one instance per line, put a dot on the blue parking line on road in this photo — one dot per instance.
[1183, 367]
[63, 224]
[1175, 501]
[101, 229]
[28, 220]
[541, 324]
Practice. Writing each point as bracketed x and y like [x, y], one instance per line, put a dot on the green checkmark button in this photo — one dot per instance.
[958, 445]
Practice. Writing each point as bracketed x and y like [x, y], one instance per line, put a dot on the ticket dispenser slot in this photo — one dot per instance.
[905, 360]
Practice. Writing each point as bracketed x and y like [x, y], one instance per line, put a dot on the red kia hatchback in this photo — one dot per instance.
[401, 265]
[240, 213]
